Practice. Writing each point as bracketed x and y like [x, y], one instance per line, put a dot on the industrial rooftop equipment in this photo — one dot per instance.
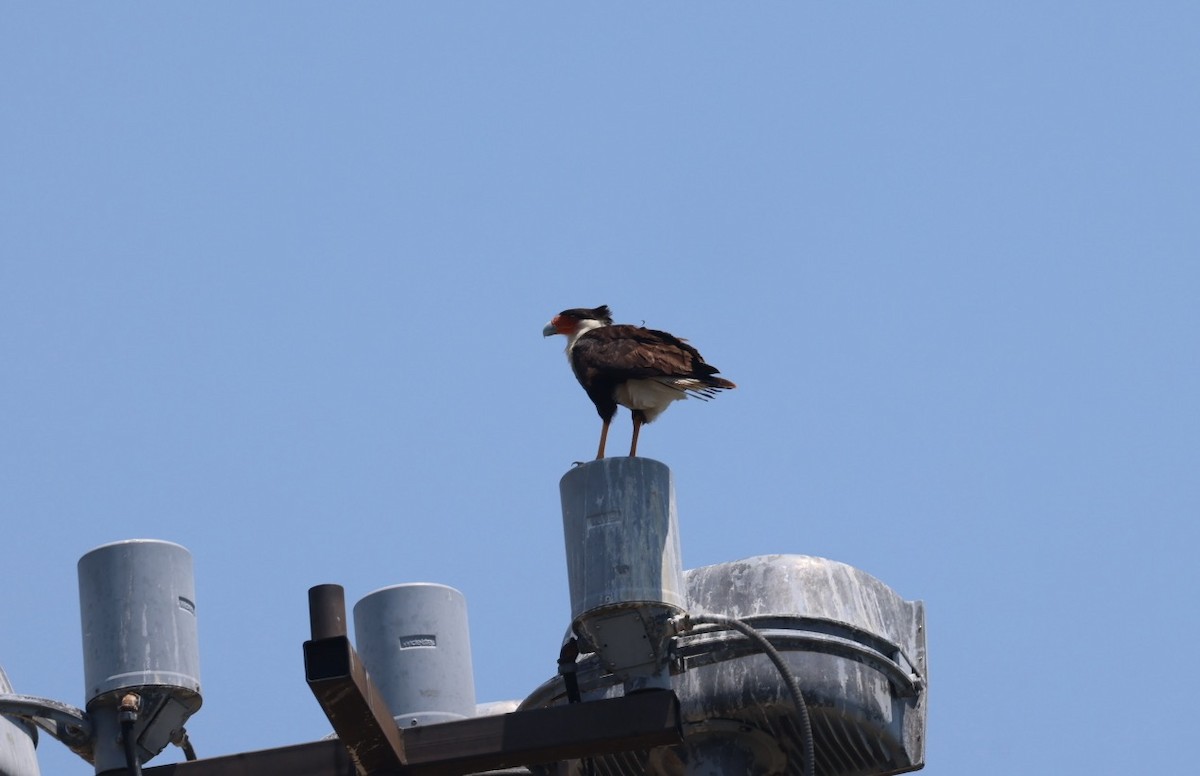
[777, 665]
[854, 648]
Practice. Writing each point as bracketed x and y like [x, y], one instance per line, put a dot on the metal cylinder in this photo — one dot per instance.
[415, 643]
[624, 565]
[327, 611]
[137, 602]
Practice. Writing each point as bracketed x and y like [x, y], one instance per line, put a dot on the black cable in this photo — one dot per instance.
[789, 679]
[131, 759]
[185, 744]
[127, 713]
[567, 669]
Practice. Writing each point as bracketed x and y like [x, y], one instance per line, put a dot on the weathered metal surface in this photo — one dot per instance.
[623, 563]
[61, 720]
[636, 722]
[416, 644]
[375, 745]
[721, 747]
[856, 648]
[137, 601]
[318, 758]
[18, 737]
[138, 614]
[819, 589]
[327, 611]
[354, 706]
[506, 741]
[621, 533]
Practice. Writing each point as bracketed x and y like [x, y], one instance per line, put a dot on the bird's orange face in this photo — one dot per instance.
[560, 324]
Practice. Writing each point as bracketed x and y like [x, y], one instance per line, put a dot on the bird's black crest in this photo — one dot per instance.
[601, 313]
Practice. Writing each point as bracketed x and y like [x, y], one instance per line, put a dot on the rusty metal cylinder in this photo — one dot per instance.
[624, 565]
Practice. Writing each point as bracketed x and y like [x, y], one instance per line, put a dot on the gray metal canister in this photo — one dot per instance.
[137, 601]
[415, 643]
[624, 566]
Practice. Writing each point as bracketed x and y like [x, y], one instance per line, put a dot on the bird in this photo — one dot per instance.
[631, 366]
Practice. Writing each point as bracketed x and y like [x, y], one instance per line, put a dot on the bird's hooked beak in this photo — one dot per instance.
[552, 328]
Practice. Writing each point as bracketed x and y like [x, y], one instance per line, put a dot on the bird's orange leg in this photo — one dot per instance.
[637, 427]
[603, 438]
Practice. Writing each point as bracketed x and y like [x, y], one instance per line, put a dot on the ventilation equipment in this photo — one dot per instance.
[853, 647]
[779, 665]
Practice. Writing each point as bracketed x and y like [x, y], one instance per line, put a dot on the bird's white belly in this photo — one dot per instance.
[649, 396]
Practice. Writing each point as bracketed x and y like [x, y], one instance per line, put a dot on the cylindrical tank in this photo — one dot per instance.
[624, 566]
[414, 641]
[137, 601]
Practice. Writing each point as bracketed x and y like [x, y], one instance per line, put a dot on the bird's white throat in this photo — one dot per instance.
[583, 328]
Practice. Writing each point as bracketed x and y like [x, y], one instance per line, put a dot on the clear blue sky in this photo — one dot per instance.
[273, 277]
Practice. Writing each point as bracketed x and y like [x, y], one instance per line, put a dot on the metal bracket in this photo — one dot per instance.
[61, 720]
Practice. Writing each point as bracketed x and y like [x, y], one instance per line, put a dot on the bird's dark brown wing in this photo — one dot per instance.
[622, 352]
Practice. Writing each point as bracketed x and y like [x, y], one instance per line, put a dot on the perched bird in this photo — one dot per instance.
[635, 367]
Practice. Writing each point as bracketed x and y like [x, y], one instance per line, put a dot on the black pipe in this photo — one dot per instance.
[127, 713]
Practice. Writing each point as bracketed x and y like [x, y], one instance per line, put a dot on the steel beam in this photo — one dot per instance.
[630, 723]
[636, 722]
[319, 758]
[349, 698]
[353, 705]
[370, 744]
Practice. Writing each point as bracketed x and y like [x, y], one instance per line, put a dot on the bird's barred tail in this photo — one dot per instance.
[703, 388]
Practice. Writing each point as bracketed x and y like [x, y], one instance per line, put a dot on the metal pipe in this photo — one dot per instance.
[327, 611]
